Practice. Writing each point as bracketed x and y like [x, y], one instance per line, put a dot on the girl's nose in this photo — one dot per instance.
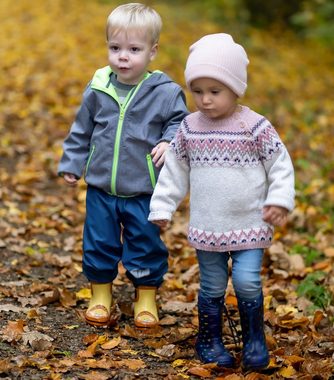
[206, 98]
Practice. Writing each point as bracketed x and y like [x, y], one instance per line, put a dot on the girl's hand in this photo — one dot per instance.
[158, 153]
[70, 179]
[161, 223]
[275, 215]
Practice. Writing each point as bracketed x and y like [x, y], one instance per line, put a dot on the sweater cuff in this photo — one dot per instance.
[287, 203]
[160, 215]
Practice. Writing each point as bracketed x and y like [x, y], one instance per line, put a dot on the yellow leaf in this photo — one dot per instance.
[183, 375]
[286, 309]
[267, 301]
[287, 372]
[178, 363]
[72, 327]
[84, 293]
[131, 352]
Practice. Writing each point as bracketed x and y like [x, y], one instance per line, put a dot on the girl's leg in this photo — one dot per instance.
[246, 276]
[213, 268]
[213, 281]
[246, 273]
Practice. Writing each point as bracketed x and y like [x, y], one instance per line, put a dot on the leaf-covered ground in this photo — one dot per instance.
[49, 50]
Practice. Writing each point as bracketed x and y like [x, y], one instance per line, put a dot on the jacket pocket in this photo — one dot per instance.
[91, 153]
[151, 170]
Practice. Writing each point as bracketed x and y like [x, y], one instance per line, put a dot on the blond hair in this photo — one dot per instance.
[135, 16]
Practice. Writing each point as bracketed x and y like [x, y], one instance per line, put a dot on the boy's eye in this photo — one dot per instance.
[113, 48]
[135, 49]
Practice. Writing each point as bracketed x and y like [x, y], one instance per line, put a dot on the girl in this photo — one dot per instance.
[241, 183]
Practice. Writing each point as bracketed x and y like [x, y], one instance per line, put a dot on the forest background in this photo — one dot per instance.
[48, 52]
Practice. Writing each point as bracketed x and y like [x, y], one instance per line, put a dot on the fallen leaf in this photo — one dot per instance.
[200, 371]
[37, 340]
[13, 331]
[287, 372]
[110, 344]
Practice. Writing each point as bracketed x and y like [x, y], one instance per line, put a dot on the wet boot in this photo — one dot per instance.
[99, 308]
[209, 345]
[145, 307]
[255, 353]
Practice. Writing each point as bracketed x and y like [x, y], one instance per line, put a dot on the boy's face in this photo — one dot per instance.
[213, 98]
[129, 54]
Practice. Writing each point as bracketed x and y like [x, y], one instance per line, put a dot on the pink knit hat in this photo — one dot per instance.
[218, 57]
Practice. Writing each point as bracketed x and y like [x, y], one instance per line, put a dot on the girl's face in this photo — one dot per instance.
[213, 98]
[129, 54]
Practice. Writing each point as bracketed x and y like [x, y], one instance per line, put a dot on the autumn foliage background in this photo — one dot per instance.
[49, 50]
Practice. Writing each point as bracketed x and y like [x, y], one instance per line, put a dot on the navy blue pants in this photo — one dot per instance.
[116, 229]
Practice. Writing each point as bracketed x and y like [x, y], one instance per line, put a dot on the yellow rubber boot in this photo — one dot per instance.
[145, 307]
[98, 312]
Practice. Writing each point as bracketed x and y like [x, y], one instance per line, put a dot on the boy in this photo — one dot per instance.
[118, 141]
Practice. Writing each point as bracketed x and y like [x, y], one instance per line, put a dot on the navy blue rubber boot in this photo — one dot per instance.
[255, 352]
[209, 345]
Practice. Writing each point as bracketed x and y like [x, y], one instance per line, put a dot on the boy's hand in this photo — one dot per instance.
[70, 179]
[275, 215]
[158, 153]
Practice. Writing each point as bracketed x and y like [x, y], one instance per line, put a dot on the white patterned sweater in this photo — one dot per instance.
[232, 169]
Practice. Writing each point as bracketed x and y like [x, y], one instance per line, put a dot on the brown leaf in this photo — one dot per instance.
[13, 331]
[133, 364]
[94, 375]
[67, 299]
[37, 340]
[110, 344]
[200, 371]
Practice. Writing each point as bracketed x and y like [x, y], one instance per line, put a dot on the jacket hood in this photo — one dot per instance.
[101, 78]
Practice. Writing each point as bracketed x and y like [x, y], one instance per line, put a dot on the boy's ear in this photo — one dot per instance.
[154, 51]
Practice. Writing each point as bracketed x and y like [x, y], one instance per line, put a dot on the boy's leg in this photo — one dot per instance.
[102, 251]
[246, 276]
[145, 258]
[213, 282]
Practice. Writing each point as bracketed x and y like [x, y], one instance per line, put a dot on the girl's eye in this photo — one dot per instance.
[135, 49]
[113, 48]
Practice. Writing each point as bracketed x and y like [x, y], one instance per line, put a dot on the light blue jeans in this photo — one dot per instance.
[246, 273]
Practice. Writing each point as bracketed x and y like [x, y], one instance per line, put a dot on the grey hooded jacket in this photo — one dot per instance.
[110, 143]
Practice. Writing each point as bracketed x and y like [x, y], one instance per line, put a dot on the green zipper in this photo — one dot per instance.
[89, 159]
[123, 107]
[98, 81]
[151, 169]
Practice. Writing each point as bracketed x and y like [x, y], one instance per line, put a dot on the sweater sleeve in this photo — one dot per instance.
[279, 168]
[173, 182]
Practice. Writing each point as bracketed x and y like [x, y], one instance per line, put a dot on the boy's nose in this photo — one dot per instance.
[123, 55]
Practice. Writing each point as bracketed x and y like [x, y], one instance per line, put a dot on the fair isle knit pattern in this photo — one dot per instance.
[233, 240]
[232, 169]
[248, 147]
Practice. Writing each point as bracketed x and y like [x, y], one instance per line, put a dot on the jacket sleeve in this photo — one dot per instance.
[279, 168]
[77, 143]
[176, 110]
[173, 182]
